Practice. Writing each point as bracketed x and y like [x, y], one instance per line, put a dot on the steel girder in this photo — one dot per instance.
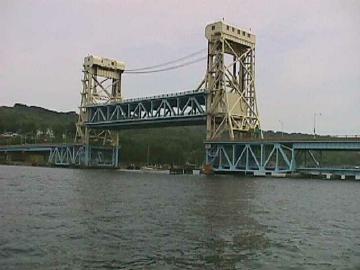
[345, 145]
[186, 108]
[75, 155]
[265, 157]
[67, 155]
[327, 170]
[84, 155]
[254, 157]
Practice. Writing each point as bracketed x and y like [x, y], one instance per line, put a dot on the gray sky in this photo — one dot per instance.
[307, 54]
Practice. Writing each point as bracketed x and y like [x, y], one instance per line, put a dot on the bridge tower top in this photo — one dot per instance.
[230, 80]
[101, 84]
[230, 33]
[109, 87]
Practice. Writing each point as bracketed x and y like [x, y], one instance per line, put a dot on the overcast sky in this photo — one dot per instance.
[307, 53]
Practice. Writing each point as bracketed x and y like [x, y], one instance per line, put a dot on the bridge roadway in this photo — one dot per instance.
[274, 156]
[178, 109]
[258, 157]
[76, 155]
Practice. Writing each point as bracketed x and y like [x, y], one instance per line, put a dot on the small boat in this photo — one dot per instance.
[147, 169]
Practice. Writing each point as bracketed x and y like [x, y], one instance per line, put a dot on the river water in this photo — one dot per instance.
[52, 218]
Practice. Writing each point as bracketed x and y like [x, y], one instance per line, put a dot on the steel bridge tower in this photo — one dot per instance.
[101, 85]
[230, 81]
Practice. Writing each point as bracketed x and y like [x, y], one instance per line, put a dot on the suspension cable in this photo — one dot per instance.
[167, 68]
[166, 63]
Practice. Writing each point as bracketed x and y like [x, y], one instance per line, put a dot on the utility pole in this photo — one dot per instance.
[315, 115]
[148, 154]
[282, 128]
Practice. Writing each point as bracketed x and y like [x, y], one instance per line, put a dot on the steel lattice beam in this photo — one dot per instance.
[266, 157]
[186, 108]
[250, 157]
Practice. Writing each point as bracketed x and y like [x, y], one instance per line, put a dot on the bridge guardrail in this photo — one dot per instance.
[170, 95]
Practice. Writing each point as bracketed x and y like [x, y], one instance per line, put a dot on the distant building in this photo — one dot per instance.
[9, 135]
[48, 133]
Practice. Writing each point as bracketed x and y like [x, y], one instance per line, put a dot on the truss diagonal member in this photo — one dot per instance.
[100, 85]
[270, 155]
[241, 97]
[214, 105]
[94, 116]
[284, 156]
[317, 163]
[248, 72]
[226, 156]
[254, 157]
[213, 156]
[232, 50]
[239, 59]
[241, 155]
[198, 106]
[170, 108]
[220, 126]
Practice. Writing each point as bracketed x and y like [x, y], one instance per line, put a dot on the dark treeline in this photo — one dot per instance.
[36, 121]
[176, 145]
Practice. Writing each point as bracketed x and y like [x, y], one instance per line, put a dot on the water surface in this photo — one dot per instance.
[52, 218]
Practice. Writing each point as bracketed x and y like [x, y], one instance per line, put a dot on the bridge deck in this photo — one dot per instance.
[67, 154]
[277, 156]
[184, 108]
[33, 147]
[324, 144]
[336, 171]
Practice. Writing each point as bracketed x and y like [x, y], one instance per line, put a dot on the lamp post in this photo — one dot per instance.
[282, 128]
[315, 115]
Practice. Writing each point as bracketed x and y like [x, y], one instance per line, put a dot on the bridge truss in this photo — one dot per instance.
[184, 108]
[277, 157]
[68, 155]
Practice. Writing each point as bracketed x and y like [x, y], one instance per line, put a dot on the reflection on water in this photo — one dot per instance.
[234, 235]
[62, 218]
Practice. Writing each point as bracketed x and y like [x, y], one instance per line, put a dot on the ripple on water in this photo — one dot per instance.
[109, 220]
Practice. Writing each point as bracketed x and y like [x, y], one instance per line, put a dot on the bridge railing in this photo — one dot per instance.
[176, 94]
[295, 138]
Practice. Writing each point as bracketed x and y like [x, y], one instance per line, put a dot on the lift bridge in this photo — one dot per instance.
[224, 101]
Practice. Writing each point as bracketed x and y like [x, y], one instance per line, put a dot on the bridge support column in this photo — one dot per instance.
[87, 155]
[101, 84]
[230, 80]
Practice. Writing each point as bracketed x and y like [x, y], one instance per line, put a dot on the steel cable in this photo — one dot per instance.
[165, 63]
[167, 68]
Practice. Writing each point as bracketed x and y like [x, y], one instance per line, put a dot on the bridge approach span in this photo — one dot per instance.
[183, 108]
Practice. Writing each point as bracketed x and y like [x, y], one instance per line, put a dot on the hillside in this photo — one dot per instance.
[25, 119]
